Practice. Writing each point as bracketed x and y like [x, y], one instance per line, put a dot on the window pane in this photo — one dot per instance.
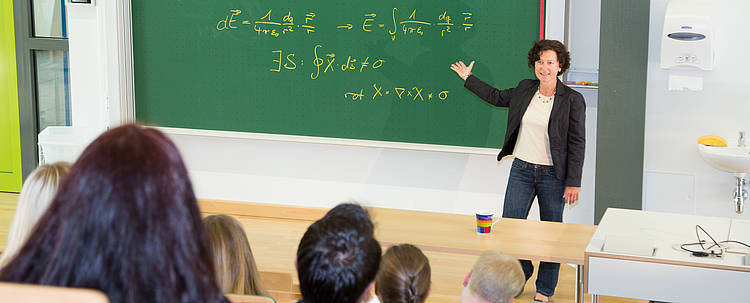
[49, 18]
[52, 88]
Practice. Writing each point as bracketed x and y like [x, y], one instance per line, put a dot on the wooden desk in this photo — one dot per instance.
[275, 231]
[434, 233]
[524, 239]
[669, 274]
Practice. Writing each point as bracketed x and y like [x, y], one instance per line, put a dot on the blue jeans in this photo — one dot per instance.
[526, 181]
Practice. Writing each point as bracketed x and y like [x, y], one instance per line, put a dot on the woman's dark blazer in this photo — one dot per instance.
[566, 129]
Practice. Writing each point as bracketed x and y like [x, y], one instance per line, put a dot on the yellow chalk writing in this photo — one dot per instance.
[308, 19]
[355, 96]
[317, 62]
[443, 95]
[393, 33]
[444, 22]
[415, 93]
[278, 68]
[352, 63]
[467, 19]
[418, 93]
[227, 22]
[365, 24]
[290, 63]
[377, 91]
[285, 25]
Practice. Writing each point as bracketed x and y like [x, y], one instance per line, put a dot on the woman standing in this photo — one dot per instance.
[546, 135]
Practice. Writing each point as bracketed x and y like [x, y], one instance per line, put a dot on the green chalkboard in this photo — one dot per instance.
[373, 70]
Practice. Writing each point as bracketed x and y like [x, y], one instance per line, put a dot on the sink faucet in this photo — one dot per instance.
[741, 139]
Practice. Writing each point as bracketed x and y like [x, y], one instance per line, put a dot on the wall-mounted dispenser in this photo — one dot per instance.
[687, 35]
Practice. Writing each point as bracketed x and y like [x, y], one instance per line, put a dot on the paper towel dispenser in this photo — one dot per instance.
[687, 35]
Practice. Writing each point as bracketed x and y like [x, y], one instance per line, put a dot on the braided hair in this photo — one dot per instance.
[404, 275]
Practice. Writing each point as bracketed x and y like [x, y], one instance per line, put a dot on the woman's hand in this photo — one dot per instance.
[571, 194]
[462, 70]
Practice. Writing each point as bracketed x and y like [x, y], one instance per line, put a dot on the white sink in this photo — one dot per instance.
[729, 159]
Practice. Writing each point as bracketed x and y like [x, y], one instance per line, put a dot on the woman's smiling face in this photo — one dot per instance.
[547, 67]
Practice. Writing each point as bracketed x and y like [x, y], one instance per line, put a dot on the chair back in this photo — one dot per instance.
[235, 298]
[28, 293]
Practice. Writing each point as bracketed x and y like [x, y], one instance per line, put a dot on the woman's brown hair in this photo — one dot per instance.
[236, 271]
[404, 275]
[563, 55]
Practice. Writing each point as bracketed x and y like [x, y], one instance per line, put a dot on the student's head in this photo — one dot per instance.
[354, 212]
[495, 277]
[37, 193]
[338, 257]
[404, 275]
[126, 222]
[233, 259]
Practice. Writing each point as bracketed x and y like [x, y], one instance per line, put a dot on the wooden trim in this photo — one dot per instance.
[242, 298]
[252, 209]
[285, 296]
[15, 292]
[452, 250]
[586, 272]
[670, 262]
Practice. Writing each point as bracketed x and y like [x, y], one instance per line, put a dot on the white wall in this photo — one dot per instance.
[675, 177]
[87, 53]
[583, 33]
[297, 173]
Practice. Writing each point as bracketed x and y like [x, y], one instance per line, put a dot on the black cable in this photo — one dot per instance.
[707, 234]
[707, 251]
[699, 253]
[733, 241]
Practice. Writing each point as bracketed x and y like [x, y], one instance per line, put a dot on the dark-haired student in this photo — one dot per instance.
[125, 222]
[338, 257]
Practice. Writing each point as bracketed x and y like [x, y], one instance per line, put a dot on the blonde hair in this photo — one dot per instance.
[236, 271]
[36, 195]
[404, 275]
[496, 277]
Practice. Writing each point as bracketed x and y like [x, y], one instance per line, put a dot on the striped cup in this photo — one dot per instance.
[485, 222]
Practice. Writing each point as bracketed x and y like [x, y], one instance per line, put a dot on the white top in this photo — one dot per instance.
[532, 144]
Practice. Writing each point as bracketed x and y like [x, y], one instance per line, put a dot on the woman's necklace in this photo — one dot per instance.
[544, 99]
